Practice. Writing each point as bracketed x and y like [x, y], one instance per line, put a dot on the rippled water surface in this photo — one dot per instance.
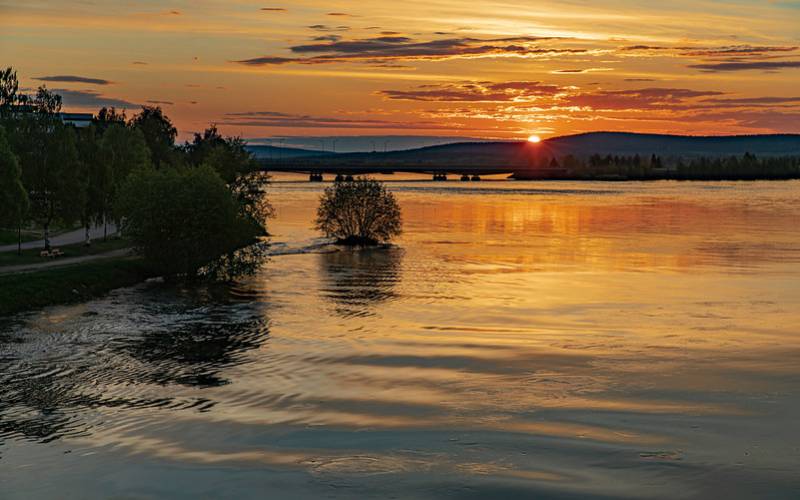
[521, 340]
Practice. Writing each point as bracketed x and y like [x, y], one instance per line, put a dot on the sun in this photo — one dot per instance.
[534, 139]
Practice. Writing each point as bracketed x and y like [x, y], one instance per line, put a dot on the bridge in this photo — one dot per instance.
[346, 167]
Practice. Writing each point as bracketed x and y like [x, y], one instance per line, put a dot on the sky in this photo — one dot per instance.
[304, 72]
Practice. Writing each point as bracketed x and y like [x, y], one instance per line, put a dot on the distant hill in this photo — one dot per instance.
[614, 143]
[275, 153]
[529, 160]
[620, 143]
[583, 145]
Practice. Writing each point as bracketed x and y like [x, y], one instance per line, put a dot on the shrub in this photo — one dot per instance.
[183, 221]
[359, 212]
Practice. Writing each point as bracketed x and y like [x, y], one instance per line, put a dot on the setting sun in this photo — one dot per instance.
[534, 139]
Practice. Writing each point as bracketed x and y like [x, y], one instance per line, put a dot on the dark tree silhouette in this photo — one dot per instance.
[159, 133]
[359, 212]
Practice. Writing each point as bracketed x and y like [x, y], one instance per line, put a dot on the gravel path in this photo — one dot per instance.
[69, 238]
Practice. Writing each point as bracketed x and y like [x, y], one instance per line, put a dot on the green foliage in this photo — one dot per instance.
[211, 207]
[237, 167]
[183, 220]
[159, 134]
[122, 150]
[9, 86]
[227, 155]
[359, 212]
[13, 198]
[46, 151]
[51, 167]
[46, 102]
[107, 117]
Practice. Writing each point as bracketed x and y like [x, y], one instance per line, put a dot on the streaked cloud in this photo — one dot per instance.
[747, 66]
[91, 99]
[710, 51]
[325, 27]
[403, 48]
[280, 119]
[580, 71]
[748, 101]
[73, 79]
[474, 92]
[637, 99]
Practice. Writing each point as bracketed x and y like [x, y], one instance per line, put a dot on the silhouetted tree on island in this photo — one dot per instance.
[359, 212]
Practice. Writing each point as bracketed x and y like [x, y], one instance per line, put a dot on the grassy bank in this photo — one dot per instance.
[32, 256]
[23, 292]
[10, 236]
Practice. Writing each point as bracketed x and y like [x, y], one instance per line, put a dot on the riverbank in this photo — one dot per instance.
[34, 290]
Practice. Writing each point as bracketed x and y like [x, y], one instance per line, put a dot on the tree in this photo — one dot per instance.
[359, 212]
[46, 102]
[107, 117]
[203, 145]
[159, 133]
[9, 86]
[13, 198]
[54, 183]
[90, 172]
[51, 170]
[227, 155]
[183, 221]
[237, 167]
[121, 151]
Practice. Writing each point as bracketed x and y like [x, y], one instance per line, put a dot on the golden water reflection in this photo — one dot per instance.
[521, 339]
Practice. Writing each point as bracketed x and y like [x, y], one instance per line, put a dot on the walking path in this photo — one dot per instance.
[29, 268]
[69, 238]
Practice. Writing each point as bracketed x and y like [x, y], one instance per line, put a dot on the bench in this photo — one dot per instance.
[52, 254]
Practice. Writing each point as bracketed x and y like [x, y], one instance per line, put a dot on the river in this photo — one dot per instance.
[521, 340]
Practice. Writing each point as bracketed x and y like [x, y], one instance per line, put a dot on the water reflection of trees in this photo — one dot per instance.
[44, 397]
[195, 353]
[355, 281]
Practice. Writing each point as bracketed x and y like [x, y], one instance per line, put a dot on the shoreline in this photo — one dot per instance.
[29, 291]
[33, 290]
[387, 178]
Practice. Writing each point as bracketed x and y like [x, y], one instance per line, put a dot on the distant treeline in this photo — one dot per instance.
[596, 167]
